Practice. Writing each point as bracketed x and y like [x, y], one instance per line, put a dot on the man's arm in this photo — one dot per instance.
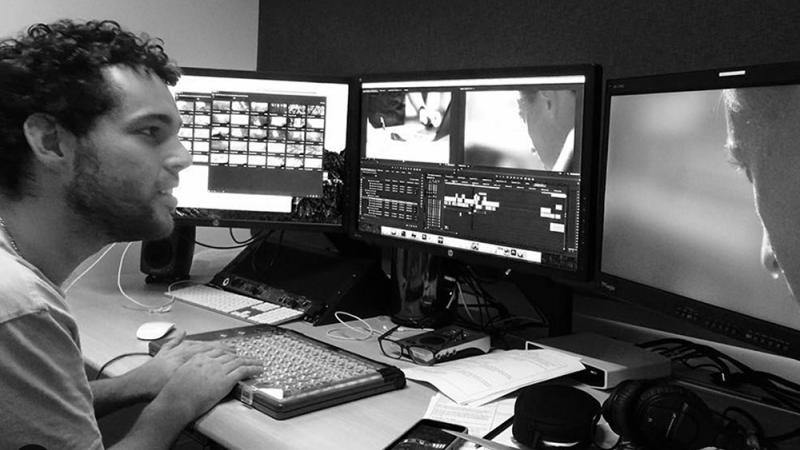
[194, 388]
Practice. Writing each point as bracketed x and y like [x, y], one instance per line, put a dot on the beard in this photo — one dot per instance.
[113, 207]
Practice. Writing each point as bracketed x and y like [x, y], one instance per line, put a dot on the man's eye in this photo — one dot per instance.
[149, 131]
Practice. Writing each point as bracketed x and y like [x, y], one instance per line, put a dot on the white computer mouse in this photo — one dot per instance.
[150, 331]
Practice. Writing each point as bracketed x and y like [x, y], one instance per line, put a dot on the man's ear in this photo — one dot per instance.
[44, 136]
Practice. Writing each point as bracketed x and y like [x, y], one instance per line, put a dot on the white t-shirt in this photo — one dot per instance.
[45, 398]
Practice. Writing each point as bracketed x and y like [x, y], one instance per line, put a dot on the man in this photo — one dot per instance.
[762, 139]
[89, 155]
[549, 115]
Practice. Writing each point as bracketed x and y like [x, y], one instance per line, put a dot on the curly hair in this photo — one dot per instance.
[56, 69]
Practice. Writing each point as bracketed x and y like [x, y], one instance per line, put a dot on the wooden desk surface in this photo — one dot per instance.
[108, 324]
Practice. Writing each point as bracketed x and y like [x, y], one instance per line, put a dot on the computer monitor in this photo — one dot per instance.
[489, 168]
[701, 201]
[268, 150]
[492, 167]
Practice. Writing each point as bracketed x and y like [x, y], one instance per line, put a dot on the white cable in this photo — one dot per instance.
[91, 266]
[166, 307]
[366, 331]
[172, 297]
[174, 283]
[157, 309]
[453, 297]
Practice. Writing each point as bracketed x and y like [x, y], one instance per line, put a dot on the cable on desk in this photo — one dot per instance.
[366, 331]
[733, 373]
[149, 308]
[115, 359]
[91, 266]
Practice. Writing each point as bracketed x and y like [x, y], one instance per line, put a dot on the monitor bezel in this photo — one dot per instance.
[350, 152]
[705, 320]
[590, 134]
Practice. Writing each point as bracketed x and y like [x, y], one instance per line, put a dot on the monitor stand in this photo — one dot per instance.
[551, 297]
[550, 300]
[422, 293]
[417, 284]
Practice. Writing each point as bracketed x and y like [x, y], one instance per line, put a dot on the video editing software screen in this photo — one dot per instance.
[480, 164]
[265, 149]
[701, 211]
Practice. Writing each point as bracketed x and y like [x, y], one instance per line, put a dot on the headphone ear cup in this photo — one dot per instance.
[662, 416]
[619, 408]
[670, 417]
[669, 395]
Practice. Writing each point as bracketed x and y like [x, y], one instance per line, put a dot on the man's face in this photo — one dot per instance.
[127, 164]
[549, 117]
[768, 140]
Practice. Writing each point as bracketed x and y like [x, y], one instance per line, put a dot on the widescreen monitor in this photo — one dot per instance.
[268, 150]
[492, 167]
[701, 206]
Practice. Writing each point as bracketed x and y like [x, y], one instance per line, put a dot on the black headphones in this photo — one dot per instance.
[664, 416]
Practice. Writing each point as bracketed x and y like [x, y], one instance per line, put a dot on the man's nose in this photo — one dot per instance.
[180, 158]
[768, 258]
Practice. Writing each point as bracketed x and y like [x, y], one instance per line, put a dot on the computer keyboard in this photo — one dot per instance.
[253, 310]
[301, 374]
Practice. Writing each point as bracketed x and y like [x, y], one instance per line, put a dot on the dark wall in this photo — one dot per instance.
[626, 37]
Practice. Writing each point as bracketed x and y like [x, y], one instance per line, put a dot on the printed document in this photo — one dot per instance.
[478, 380]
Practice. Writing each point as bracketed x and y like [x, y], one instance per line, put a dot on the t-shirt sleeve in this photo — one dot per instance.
[45, 397]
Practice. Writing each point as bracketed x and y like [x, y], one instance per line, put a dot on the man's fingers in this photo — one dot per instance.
[242, 368]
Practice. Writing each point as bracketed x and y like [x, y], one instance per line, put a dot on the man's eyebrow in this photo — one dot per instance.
[160, 117]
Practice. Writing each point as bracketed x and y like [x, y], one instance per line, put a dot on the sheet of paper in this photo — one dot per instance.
[479, 420]
[480, 379]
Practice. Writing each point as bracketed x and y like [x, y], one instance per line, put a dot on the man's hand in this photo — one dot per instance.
[208, 374]
[154, 374]
[206, 378]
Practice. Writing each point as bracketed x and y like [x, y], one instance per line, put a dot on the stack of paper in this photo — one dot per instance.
[480, 379]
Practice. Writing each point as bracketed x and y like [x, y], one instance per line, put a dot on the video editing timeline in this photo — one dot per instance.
[526, 217]
[241, 136]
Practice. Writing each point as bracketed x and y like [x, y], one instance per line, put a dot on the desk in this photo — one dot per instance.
[107, 329]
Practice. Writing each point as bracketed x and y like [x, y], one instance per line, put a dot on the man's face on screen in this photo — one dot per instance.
[764, 135]
[549, 115]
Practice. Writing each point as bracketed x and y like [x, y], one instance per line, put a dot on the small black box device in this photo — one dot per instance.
[608, 361]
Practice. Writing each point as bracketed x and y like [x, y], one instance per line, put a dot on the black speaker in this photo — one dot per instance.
[555, 417]
[663, 416]
[170, 259]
